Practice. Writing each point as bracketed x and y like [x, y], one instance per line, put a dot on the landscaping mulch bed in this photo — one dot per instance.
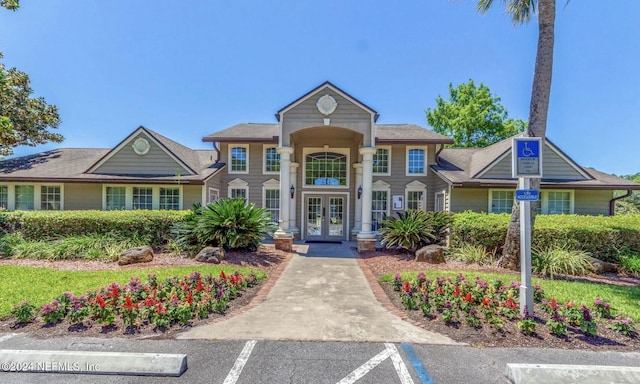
[266, 259]
[382, 261]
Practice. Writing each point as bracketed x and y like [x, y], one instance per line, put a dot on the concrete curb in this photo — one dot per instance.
[583, 374]
[95, 363]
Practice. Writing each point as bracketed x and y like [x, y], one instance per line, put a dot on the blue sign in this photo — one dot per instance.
[527, 195]
[528, 149]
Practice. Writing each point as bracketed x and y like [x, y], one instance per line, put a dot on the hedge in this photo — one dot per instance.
[38, 225]
[605, 237]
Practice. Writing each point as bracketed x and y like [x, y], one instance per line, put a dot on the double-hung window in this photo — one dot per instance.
[416, 161]
[142, 198]
[382, 161]
[500, 201]
[169, 198]
[238, 158]
[50, 197]
[271, 159]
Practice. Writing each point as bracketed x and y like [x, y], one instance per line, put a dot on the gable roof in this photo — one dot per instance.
[463, 167]
[329, 85]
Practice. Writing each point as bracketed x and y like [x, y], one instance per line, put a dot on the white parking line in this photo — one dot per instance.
[234, 374]
[390, 350]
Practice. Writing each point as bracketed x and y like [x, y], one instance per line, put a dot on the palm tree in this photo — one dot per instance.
[521, 11]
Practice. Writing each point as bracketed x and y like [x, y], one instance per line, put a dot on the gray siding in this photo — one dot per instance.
[306, 115]
[440, 186]
[592, 202]
[127, 162]
[82, 196]
[554, 167]
[469, 199]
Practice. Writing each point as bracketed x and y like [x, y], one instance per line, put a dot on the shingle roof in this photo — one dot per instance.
[385, 133]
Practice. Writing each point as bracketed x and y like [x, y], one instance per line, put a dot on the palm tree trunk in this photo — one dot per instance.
[538, 110]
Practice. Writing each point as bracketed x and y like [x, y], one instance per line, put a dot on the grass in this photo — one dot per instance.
[41, 285]
[622, 299]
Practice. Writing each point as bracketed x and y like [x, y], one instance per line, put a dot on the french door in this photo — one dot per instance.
[325, 217]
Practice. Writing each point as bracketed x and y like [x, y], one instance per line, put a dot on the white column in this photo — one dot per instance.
[292, 201]
[357, 225]
[367, 183]
[285, 163]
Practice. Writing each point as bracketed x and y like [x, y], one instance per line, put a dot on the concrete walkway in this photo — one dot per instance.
[321, 295]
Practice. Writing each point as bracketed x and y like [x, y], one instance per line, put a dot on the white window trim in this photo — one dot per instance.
[406, 160]
[445, 206]
[544, 200]
[490, 197]
[11, 194]
[264, 159]
[271, 185]
[238, 184]
[385, 188]
[217, 193]
[128, 194]
[309, 150]
[415, 186]
[388, 173]
[230, 168]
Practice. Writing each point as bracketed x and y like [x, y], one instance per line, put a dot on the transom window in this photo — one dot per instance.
[501, 201]
[379, 208]
[169, 198]
[416, 164]
[238, 159]
[271, 160]
[381, 161]
[142, 198]
[24, 197]
[272, 203]
[326, 169]
[50, 198]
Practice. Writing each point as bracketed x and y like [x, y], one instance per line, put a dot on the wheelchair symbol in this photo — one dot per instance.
[526, 151]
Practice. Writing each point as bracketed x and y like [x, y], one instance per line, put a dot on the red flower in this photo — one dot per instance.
[468, 298]
[439, 290]
[160, 309]
[115, 292]
[456, 291]
[129, 304]
[406, 287]
[510, 304]
[199, 286]
[486, 301]
[223, 276]
[189, 298]
[553, 304]
[101, 301]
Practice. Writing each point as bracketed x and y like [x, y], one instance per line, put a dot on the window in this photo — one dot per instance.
[116, 197]
[326, 169]
[440, 202]
[381, 161]
[238, 193]
[271, 159]
[415, 200]
[142, 198]
[558, 202]
[4, 197]
[239, 159]
[379, 208]
[50, 198]
[501, 201]
[24, 197]
[214, 195]
[169, 198]
[272, 203]
[416, 161]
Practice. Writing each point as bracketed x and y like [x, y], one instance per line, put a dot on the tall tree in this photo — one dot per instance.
[23, 120]
[521, 11]
[472, 116]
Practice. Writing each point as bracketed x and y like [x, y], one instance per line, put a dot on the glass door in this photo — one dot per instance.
[325, 218]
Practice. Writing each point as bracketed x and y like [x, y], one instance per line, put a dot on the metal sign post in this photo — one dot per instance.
[526, 164]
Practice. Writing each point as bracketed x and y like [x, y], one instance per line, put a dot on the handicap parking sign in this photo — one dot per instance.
[527, 157]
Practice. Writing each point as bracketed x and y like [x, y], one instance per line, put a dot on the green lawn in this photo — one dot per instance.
[41, 285]
[624, 300]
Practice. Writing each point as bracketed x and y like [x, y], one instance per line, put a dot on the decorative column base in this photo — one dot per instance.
[366, 242]
[284, 242]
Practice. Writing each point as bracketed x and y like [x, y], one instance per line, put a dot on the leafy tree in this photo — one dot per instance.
[520, 12]
[631, 204]
[24, 120]
[11, 5]
[472, 116]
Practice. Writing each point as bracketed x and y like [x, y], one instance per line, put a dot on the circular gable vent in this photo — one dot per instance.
[141, 146]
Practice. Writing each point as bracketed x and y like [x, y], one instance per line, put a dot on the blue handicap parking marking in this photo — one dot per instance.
[528, 148]
[421, 371]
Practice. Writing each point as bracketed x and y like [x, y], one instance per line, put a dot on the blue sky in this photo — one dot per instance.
[188, 69]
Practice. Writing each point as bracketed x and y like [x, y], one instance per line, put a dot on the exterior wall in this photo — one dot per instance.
[127, 162]
[82, 196]
[306, 115]
[440, 186]
[592, 202]
[469, 199]
[191, 194]
[554, 167]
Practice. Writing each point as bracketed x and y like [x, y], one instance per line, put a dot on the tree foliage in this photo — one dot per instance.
[629, 205]
[472, 116]
[11, 5]
[24, 120]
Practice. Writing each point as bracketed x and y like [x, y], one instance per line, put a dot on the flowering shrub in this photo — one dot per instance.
[624, 325]
[602, 308]
[587, 325]
[527, 324]
[160, 303]
[24, 313]
[557, 325]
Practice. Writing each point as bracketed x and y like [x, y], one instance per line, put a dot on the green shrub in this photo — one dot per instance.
[410, 230]
[631, 264]
[560, 258]
[441, 222]
[229, 223]
[473, 254]
[39, 225]
[605, 237]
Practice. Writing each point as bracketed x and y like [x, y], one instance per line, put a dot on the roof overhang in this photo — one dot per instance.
[273, 139]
